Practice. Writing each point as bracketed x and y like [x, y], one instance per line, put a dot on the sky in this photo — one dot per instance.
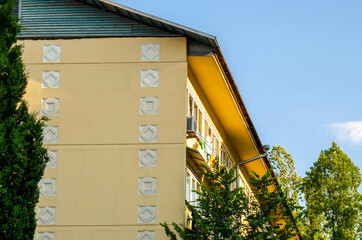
[297, 64]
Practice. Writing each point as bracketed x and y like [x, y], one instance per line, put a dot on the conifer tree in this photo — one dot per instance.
[22, 157]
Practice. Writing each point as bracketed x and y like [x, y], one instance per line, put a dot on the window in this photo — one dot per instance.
[241, 182]
[192, 184]
[190, 103]
[230, 164]
[208, 136]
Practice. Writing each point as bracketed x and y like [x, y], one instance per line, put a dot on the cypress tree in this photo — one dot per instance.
[22, 156]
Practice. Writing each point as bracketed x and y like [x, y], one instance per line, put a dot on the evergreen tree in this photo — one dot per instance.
[332, 199]
[22, 157]
[223, 213]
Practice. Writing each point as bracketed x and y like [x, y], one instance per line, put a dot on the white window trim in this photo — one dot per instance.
[192, 177]
[205, 117]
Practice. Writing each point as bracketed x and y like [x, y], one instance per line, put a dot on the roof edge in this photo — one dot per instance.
[159, 19]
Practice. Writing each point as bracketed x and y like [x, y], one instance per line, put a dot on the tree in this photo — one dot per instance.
[22, 157]
[223, 213]
[220, 210]
[332, 199]
[284, 168]
[272, 210]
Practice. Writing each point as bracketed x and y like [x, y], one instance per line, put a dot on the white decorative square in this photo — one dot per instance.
[46, 215]
[51, 53]
[146, 214]
[53, 158]
[149, 105]
[50, 134]
[149, 78]
[48, 187]
[146, 235]
[46, 236]
[148, 133]
[147, 158]
[49, 106]
[150, 52]
[51, 79]
[147, 186]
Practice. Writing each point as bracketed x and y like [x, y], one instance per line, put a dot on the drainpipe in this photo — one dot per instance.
[266, 147]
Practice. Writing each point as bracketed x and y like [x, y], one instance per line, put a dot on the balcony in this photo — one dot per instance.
[204, 150]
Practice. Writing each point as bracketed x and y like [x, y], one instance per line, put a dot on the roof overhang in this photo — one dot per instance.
[221, 99]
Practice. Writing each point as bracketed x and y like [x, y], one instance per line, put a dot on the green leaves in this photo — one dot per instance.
[283, 166]
[271, 214]
[22, 157]
[332, 198]
[330, 189]
[226, 213]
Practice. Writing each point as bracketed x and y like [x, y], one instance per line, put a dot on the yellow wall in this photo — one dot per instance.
[98, 144]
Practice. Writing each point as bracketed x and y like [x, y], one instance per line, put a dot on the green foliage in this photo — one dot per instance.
[332, 198]
[271, 214]
[22, 157]
[283, 166]
[226, 213]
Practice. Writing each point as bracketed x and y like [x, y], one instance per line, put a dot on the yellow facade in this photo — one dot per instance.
[135, 104]
[121, 158]
[97, 173]
[99, 118]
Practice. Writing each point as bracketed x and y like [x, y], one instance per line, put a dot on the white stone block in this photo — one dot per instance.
[46, 215]
[149, 133]
[149, 105]
[51, 79]
[48, 187]
[147, 158]
[150, 52]
[50, 106]
[149, 78]
[45, 236]
[53, 159]
[52, 53]
[146, 214]
[147, 186]
[50, 134]
[146, 235]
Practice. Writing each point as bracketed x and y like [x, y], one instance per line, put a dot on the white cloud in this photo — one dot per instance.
[349, 132]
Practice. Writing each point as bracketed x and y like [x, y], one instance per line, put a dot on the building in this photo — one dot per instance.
[135, 103]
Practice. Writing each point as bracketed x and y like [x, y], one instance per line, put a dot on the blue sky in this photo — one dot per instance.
[297, 64]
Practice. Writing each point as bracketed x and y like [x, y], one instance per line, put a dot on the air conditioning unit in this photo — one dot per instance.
[191, 127]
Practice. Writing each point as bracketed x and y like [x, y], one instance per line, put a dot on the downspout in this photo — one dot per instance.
[266, 147]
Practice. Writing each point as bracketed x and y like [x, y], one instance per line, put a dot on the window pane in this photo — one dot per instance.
[199, 121]
[193, 198]
[242, 184]
[189, 105]
[188, 186]
[195, 111]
